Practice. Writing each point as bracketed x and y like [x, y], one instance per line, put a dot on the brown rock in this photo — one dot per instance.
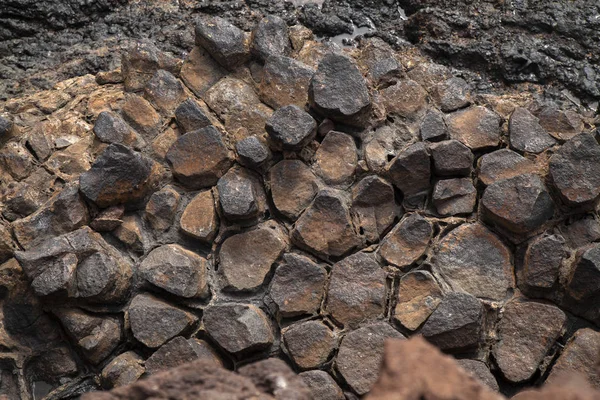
[140, 62]
[356, 290]
[407, 242]
[241, 195]
[285, 81]
[454, 196]
[322, 385]
[503, 164]
[298, 286]
[410, 171]
[580, 355]
[292, 176]
[476, 127]
[361, 353]
[290, 128]
[538, 270]
[275, 377]
[474, 260]
[336, 159]
[562, 125]
[199, 219]
[418, 296]
[131, 234]
[140, 114]
[164, 91]
[479, 370]
[526, 134]
[246, 259]
[199, 158]
[16, 160]
[163, 142]
[309, 344]
[161, 208]
[567, 386]
[180, 351]
[108, 219]
[124, 369]
[414, 369]
[325, 228]
[582, 286]
[451, 94]
[200, 71]
[406, 98]
[110, 128]
[373, 207]
[451, 157]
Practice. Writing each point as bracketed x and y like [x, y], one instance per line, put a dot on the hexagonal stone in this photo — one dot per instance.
[336, 158]
[476, 127]
[164, 91]
[118, 176]
[581, 232]
[199, 158]
[520, 204]
[298, 286]
[199, 219]
[451, 157]
[539, 265]
[200, 71]
[503, 164]
[418, 296]
[361, 353]
[292, 176]
[253, 153]
[583, 284]
[191, 117]
[526, 134]
[270, 38]
[291, 128]
[480, 371]
[338, 91]
[228, 44]
[238, 328]
[454, 196]
[153, 321]
[309, 344]
[433, 127]
[374, 207]
[285, 81]
[246, 259]
[410, 171]
[241, 195]
[176, 270]
[110, 128]
[179, 351]
[325, 228]
[139, 113]
[161, 208]
[356, 289]
[562, 125]
[526, 333]
[406, 98]
[579, 354]
[141, 60]
[456, 324]
[124, 369]
[322, 385]
[407, 242]
[575, 170]
[451, 94]
[475, 260]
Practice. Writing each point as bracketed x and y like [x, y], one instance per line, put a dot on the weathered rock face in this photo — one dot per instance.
[199, 219]
[225, 42]
[503, 164]
[309, 344]
[292, 176]
[285, 81]
[582, 286]
[526, 134]
[407, 242]
[291, 128]
[410, 171]
[418, 296]
[579, 355]
[476, 127]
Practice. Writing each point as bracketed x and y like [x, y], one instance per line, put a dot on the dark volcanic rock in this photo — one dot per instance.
[124, 369]
[475, 260]
[374, 207]
[454, 196]
[110, 128]
[309, 344]
[479, 370]
[285, 81]
[407, 242]
[164, 91]
[199, 158]
[241, 195]
[238, 328]
[418, 296]
[161, 208]
[456, 324]
[520, 204]
[141, 60]
[292, 176]
[527, 331]
[322, 385]
[580, 355]
[252, 152]
[336, 158]
[270, 38]
[406, 98]
[583, 284]
[452, 94]
[338, 91]
[229, 45]
[476, 127]
[154, 322]
[526, 134]
[191, 117]
[180, 351]
[5, 128]
[451, 157]
[503, 164]
[410, 171]
[537, 272]
[575, 170]
[298, 286]
[108, 219]
[118, 176]
[356, 290]
[291, 128]
[360, 355]
[433, 127]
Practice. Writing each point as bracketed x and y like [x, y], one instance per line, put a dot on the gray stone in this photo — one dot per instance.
[374, 207]
[480, 371]
[526, 134]
[240, 195]
[253, 153]
[270, 38]
[291, 128]
[110, 128]
[583, 284]
[164, 91]
[179, 351]
[322, 385]
[451, 94]
[454, 196]
[309, 343]
[410, 171]
[580, 354]
[451, 157]
[407, 242]
[285, 81]
[108, 219]
[229, 45]
[191, 117]
[433, 127]
[539, 265]
[161, 208]
[141, 60]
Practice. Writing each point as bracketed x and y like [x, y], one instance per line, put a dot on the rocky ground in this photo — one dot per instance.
[266, 195]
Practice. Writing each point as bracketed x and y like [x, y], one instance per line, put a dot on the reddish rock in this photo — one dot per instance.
[309, 344]
[285, 81]
[526, 333]
[567, 386]
[124, 369]
[140, 114]
[336, 158]
[418, 296]
[200, 71]
[199, 219]
[476, 127]
[562, 125]
[292, 176]
[503, 164]
[406, 98]
[407, 242]
[475, 260]
[131, 233]
[357, 290]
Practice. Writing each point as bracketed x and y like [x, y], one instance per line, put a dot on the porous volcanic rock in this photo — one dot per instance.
[291, 128]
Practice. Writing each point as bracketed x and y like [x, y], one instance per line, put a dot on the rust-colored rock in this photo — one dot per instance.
[292, 176]
[418, 296]
[199, 219]
[407, 242]
[476, 127]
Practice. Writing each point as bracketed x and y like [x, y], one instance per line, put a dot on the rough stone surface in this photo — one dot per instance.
[191, 117]
[451, 94]
[479, 370]
[247, 258]
[579, 355]
[240, 195]
[238, 328]
[336, 159]
[176, 270]
[124, 369]
[229, 45]
[520, 204]
[526, 333]
[451, 157]
[454, 196]
[199, 219]
[285, 81]
[526, 134]
[291, 128]
[110, 128]
[374, 207]
[270, 38]
[418, 296]
[161, 208]
[410, 171]
[503, 164]
[298, 286]
[180, 351]
[538, 270]
[200, 71]
[456, 324]
[199, 158]
[154, 322]
[360, 355]
[322, 385]
[338, 91]
[433, 127]
[575, 170]
[407, 242]
[583, 286]
[273, 376]
[141, 115]
[475, 260]
[476, 127]
[253, 153]
[356, 290]
[309, 344]
[406, 98]
[164, 91]
[292, 176]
